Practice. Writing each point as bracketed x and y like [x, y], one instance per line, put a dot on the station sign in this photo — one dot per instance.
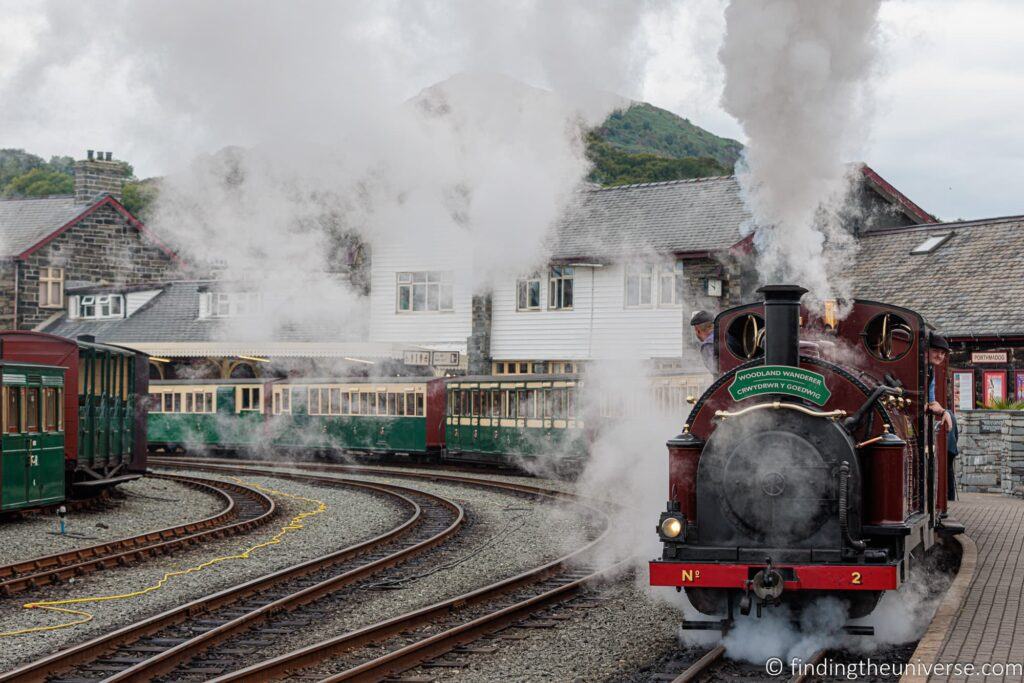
[416, 357]
[989, 356]
[780, 379]
[444, 359]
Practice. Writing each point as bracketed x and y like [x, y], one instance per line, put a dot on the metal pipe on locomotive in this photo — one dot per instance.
[807, 468]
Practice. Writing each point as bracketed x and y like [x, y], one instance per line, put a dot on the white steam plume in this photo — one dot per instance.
[797, 79]
[315, 95]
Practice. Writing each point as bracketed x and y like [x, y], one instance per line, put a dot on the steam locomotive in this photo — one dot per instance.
[810, 467]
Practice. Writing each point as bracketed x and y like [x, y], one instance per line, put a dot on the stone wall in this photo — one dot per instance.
[478, 346]
[101, 248]
[991, 447]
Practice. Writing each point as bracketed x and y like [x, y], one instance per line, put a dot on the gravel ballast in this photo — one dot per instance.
[138, 506]
[603, 643]
[352, 516]
[507, 535]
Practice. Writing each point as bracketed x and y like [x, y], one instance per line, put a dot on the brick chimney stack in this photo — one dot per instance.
[97, 173]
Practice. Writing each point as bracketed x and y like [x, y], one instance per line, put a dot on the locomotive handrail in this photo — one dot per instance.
[777, 405]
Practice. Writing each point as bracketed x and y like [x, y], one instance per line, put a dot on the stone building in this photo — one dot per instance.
[967, 279]
[623, 265]
[51, 243]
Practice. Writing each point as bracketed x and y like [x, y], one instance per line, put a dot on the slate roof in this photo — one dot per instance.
[173, 315]
[703, 214]
[24, 222]
[972, 285]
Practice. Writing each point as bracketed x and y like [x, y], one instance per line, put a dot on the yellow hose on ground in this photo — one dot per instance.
[294, 524]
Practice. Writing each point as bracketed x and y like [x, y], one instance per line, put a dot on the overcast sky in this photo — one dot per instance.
[949, 93]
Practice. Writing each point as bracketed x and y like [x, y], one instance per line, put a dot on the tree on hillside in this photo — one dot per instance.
[39, 182]
[612, 166]
[16, 162]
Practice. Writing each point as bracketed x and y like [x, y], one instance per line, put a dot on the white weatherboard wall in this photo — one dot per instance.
[444, 330]
[598, 327]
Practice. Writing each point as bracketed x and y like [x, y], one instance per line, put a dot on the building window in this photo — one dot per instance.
[528, 294]
[639, 285]
[670, 284]
[424, 291]
[233, 304]
[560, 287]
[101, 306]
[51, 288]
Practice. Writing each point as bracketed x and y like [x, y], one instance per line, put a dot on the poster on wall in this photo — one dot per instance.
[963, 389]
[1020, 386]
[993, 386]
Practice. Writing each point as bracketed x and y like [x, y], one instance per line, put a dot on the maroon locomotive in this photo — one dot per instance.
[806, 469]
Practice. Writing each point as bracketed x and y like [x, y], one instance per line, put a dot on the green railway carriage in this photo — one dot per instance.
[104, 422]
[214, 414]
[32, 444]
[532, 417]
[393, 415]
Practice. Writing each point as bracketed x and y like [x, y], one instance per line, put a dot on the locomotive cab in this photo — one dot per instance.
[802, 471]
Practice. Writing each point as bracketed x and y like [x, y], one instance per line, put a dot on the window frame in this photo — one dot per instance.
[675, 272]
[558, 278]
[437, 286]
[523, 293]
[638, 272]
[50, 277]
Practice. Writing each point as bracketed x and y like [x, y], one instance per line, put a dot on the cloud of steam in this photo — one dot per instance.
[316, 97]
[796, 78]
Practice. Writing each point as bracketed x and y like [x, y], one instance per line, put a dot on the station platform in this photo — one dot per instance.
[981, 618]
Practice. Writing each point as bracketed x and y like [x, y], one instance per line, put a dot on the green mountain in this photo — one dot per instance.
[644, 143]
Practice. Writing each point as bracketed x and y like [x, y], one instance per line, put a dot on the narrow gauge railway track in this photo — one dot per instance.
[244, 509]
[713, 666]
[155, 646]
[403, 642]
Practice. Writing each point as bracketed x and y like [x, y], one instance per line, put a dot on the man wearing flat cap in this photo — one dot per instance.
[704, 328]
[938, 351]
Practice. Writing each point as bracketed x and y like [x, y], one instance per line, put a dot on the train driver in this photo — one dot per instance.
[937, 353]
[704, 328]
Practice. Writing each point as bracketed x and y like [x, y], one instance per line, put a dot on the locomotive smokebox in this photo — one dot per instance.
[782, 323]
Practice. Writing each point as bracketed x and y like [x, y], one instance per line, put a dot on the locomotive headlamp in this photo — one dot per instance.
[671, 527]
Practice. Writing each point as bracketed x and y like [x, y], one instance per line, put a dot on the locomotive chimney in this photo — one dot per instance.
[782, 323]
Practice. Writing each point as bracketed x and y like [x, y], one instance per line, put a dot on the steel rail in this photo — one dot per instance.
[443, 642]
[24, 575]
[813, 660]
[168, 659]
[698, 668]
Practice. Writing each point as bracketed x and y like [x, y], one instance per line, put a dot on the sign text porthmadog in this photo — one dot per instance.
[780, 379]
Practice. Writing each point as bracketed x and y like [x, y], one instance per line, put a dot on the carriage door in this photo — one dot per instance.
[34, 475]
[14, 468]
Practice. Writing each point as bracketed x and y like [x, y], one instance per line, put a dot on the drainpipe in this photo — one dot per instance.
[17, 268]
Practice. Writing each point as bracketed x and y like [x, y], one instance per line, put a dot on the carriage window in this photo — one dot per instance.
[364, 403]
[177, 403]
[13, 399]
[188, 402]
[335, 397]
[32, 409]
[496, 403]
[155, 404]
[558, 404]
[382, 403]
[313, 403]
[286, 400]
[250, 398]
[168, 403]
[419, 405]
[570, 402]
